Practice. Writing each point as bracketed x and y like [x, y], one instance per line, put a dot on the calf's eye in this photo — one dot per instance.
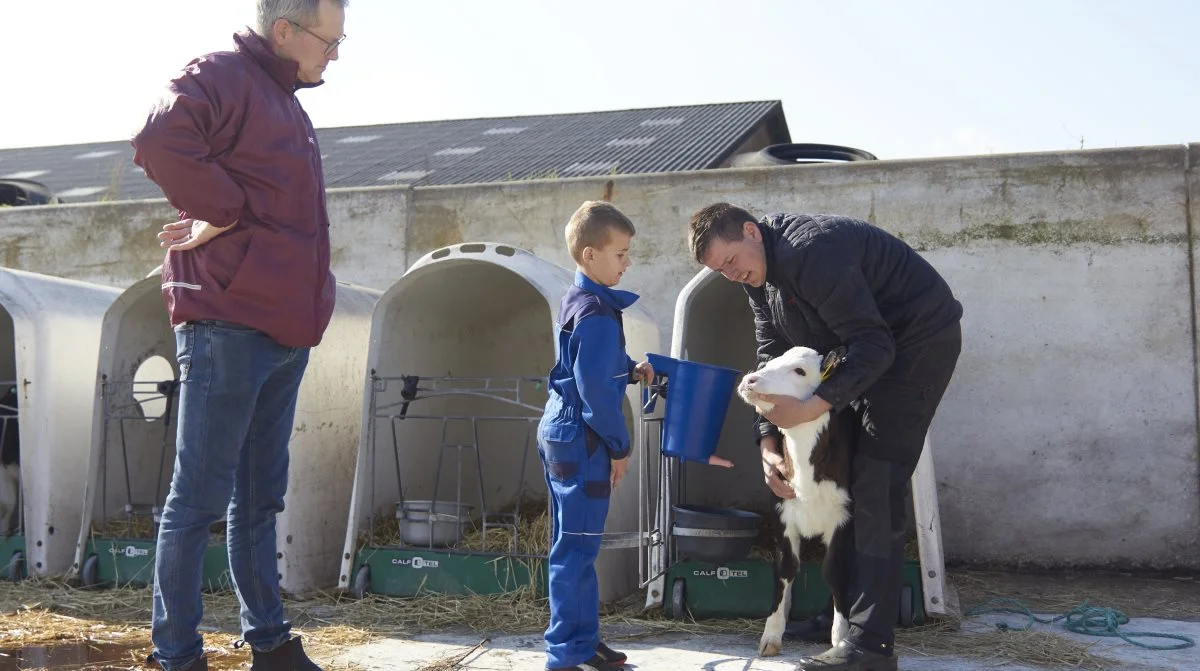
[800, 372]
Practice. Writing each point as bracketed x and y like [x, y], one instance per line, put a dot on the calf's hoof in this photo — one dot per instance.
[769, 646]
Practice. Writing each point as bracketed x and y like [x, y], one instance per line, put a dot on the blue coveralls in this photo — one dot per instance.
[583, 427]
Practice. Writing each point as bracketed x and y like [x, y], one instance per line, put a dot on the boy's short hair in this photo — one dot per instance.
[590, 226]
[719, 220]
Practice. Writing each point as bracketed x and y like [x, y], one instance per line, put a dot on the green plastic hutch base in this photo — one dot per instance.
[745, 589]
[8, 548]
[410, 571]
[121, 562]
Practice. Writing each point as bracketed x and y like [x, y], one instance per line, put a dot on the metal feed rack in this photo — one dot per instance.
[129, 559]
[511, 393]
[407, 568]
[658, 556]
[12, 546]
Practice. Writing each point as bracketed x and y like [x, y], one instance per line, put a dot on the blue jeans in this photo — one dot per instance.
[237, 402]
[577, 477]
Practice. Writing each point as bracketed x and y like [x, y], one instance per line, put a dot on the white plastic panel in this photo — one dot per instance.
[49, 341]
[322, 449]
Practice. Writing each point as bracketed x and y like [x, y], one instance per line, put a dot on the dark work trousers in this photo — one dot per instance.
[896, 413]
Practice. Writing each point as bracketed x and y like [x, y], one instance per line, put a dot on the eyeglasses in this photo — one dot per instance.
[329, 46]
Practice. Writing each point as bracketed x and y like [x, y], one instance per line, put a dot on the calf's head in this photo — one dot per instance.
[797, 373]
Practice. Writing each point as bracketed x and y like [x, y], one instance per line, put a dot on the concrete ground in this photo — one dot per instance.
[85, 620]
[734, 653]
[1154, 604]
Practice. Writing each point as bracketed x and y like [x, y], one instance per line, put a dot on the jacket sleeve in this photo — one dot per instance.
[596, 339]
[834, 283]
[175, 146]
[770, 345]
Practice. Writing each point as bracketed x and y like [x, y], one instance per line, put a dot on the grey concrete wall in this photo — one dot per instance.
[1069, 435]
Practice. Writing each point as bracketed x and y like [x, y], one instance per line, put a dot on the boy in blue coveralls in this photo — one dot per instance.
[582, 439]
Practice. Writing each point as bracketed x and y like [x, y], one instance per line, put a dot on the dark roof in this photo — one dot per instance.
[464, 151]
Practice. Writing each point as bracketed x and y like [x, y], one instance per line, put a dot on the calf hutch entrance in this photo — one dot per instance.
[449, 495]
[133, 447]
[716, 559]
[49, 339]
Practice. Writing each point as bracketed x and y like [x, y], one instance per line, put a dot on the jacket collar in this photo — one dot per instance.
[282, 70]
[770, 236]
[613, 298]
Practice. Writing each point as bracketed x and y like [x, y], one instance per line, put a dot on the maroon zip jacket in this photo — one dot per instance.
[229, 143]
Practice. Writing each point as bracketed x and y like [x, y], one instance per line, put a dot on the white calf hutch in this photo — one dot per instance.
[713, 324]
[49, 340]
[132, 446]
[449, 495]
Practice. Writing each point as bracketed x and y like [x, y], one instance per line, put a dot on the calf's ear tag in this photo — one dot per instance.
[833, 359]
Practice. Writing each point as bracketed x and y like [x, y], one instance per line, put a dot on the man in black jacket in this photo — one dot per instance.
[825, 281]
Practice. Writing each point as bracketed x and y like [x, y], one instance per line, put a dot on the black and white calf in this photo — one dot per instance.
[10, 465]
[817, 459]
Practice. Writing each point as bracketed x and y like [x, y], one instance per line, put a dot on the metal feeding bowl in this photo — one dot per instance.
[432, 523]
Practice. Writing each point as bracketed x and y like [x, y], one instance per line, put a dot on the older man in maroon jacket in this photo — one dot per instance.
[247, 284]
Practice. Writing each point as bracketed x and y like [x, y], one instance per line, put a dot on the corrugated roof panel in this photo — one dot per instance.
[453, 151]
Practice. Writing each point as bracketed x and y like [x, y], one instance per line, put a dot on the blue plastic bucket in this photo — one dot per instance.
[697, 397]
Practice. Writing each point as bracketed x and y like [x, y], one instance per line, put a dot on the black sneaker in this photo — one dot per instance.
[287, 657]
[611, 657]
[596, 663]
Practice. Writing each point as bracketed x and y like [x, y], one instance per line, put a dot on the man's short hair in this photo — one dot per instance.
[303, 12]
[591, 224]
[719, 220]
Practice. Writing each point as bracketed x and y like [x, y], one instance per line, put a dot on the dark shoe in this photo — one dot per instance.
[596, 663]
[198, 665]
[611, 657]
[848, 657]
[815, 629]
[287, 657]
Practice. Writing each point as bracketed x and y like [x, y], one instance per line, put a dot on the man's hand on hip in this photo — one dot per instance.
[188, 234]
[773, 468]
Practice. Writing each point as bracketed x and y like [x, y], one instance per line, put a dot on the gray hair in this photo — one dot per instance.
[303, 12]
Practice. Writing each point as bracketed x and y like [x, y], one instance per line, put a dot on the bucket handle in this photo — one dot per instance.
[651, 394]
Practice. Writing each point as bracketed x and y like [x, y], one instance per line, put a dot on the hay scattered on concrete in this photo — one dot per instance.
[452, 661]
[1032, 648]
[1169, 598]
[42, 613]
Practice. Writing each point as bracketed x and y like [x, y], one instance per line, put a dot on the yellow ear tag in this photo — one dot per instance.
[827, 370]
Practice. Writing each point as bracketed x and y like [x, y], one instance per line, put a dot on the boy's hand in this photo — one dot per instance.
[619, 466]
[643, 372]
[714, 460]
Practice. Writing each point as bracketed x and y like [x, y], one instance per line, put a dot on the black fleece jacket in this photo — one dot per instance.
[834, 281]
